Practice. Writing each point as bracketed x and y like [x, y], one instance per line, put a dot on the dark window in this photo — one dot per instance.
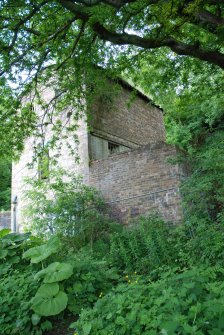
[43, 165]
[113, 147]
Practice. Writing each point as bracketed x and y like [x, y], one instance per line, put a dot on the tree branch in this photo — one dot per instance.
[181, 48]
[214, 57]
[208, 17]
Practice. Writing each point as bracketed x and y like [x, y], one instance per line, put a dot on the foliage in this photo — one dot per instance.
[45, 288]
[142, 247]
[17, 286]
[15, 304]
[68, 208]
[178, 286]
[188, 302]
[5, 184]
[12, 246]
[41, 252]
[91, 279]
[17, 122]
[206, 196]
[67, 38]
[60, 32]
[191, 94]
[199, 244]
[151, 244]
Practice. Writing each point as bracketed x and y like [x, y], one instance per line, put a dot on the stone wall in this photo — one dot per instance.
[140, 181]
[130, 123]
[26, 167]
[5, 220]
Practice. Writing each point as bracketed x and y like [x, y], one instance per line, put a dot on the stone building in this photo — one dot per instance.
[123, 154]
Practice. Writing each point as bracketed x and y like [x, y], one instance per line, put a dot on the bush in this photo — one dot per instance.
[184, 303]
[18, 287]
[200, 244]
[16, 315]
[143, 247]
[52, 283]
[90, 280]
[66, 208]
[151, 243]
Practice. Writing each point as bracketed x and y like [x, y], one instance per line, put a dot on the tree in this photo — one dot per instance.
[36, 32]
[66, 38]
[5, 184]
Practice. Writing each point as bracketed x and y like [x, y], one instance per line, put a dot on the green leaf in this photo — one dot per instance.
[48, 290]
[38, 254]
[87, 328]
[55, 272]
[4, 232]
[46, 325]
[35, 319]
[3, 253]
[49, 300]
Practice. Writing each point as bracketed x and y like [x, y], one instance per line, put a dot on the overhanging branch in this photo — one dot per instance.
[179, 47]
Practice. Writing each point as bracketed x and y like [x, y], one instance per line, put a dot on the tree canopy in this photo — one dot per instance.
[57, 41]
[36, 33]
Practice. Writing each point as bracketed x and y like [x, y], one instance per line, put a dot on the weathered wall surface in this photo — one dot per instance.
[128, 123]
[5, 220]
[132, 182]
[66, 160]
[139, 182]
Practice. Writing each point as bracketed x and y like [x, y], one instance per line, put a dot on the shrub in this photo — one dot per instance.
[90, 280]
[66, 208]
[201, 244]
[17, 286]
[184, 303]
[152, 243]
[16, 315]
[53, 283]
[144, 246]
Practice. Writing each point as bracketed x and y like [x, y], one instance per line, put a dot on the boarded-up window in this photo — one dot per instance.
[101, 148]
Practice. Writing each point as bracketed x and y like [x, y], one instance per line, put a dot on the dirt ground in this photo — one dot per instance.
[61, 327]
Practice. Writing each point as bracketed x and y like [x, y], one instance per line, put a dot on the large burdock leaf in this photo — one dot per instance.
[3, 253]
[38, 254]
[55, 272]
[4, 232]
[49, 300]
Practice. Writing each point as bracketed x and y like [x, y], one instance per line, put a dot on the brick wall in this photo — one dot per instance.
[5, 220]
[129, 123]
[139, 182]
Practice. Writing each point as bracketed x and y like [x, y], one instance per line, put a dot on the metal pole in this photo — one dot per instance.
[14, 223]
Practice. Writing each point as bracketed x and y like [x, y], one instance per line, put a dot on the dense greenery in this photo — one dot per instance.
[172, 285]
[149, 278]
[170, 39]
[189, 302]
[67, 208]
[55, 280]
[57, 31]
[5, 184]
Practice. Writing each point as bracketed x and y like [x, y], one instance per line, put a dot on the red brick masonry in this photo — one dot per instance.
[140, 181]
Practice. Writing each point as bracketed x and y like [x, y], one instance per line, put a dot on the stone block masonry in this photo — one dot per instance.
[5, 220]
[139, 182]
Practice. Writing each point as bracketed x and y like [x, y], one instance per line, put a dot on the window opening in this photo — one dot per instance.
[113, 147]
[43, 165]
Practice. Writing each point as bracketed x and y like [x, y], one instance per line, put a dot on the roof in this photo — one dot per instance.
[141, 95]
